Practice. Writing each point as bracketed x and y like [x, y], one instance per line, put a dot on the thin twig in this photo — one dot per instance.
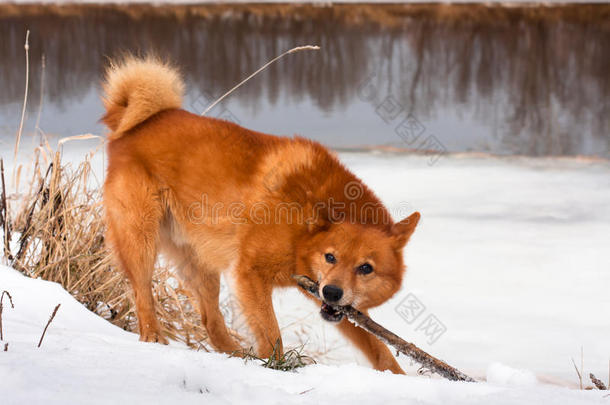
[297, 49]
[363, 321]
[2, 307]
[25, 96]
[40, 101]
[579, 375]
[25, 234]
[48, 323]
[4, 219]
[582, 360]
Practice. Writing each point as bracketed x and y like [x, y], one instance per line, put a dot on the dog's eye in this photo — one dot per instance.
[365, 268]
[330, 258]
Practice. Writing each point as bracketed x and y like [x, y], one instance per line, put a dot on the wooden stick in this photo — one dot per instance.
[366, 323]
[48, 323]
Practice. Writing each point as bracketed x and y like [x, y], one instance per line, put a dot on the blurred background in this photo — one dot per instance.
[485, 78]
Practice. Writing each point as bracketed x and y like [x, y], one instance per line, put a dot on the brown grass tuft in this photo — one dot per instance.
[290, 360]
[61, 239]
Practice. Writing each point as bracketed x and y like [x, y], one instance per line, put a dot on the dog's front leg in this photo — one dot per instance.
[375, 351]
[254, 295]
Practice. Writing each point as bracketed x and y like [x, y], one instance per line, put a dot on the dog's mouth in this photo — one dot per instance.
[330, 314]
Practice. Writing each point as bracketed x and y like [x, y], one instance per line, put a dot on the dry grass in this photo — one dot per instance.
[597, 383]
[290, 360]
[59, 222]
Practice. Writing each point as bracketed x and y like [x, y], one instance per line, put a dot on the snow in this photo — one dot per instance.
[501, 374]
[84, 359]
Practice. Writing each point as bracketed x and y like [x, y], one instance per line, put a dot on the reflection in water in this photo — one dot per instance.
[538, 77]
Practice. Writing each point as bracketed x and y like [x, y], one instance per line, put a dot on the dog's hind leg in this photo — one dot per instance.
[205, 285]
[133, 215]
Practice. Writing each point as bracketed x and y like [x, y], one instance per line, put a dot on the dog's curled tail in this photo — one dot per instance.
[135, 89]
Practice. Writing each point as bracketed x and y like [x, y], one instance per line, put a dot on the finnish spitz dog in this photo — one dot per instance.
[215, 197]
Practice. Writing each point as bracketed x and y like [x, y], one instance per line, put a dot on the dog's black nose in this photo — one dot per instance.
[332, 293]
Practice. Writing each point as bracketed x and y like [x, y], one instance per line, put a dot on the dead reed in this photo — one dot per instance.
[44, 332]
[60, 230]
[10, 299]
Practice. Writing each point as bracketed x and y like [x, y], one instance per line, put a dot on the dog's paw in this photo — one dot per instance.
[154, 337]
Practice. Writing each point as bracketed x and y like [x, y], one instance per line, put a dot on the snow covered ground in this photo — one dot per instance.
[84, 359]
[508, 269]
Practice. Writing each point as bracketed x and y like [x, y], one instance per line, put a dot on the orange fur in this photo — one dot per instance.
[214, 196]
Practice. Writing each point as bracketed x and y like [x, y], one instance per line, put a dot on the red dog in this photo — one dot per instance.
[214, 196]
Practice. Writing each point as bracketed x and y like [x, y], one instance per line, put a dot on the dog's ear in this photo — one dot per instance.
[402, 231]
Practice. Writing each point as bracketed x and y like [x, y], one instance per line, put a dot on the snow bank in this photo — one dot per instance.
[84, 359]
[501, 374]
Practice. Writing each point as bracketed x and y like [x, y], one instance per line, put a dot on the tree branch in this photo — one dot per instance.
[366, 323]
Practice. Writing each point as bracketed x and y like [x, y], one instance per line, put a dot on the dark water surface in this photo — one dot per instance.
[531, 80]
